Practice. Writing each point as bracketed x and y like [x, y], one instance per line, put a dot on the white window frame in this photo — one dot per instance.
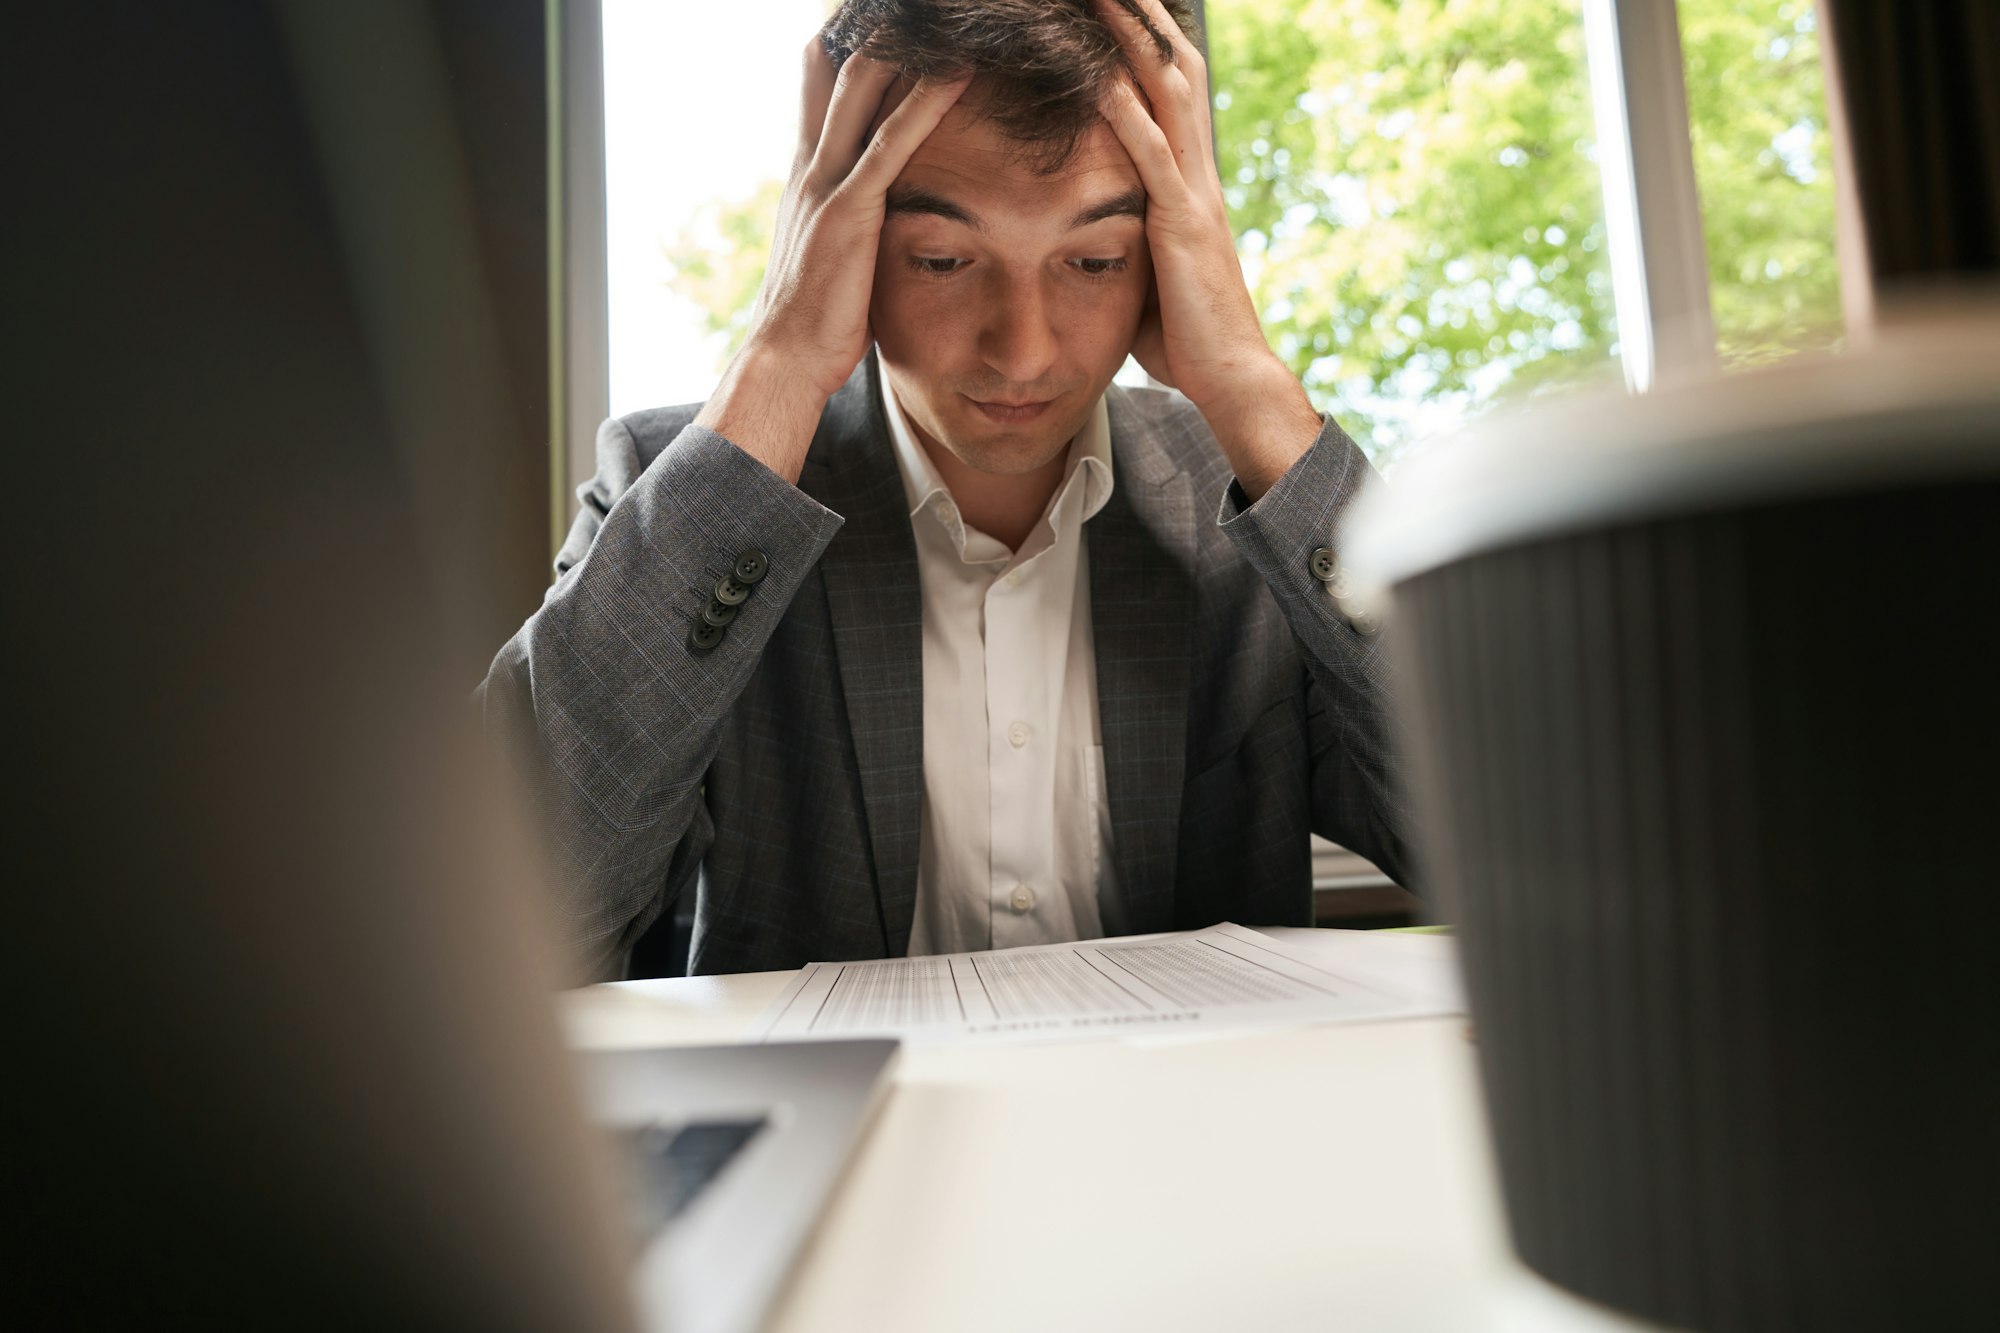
[1652, 208]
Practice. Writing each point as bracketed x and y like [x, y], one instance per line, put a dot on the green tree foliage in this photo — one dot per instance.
[1763, 162]
[718, 262]
[1415, 196]
[1414, 190]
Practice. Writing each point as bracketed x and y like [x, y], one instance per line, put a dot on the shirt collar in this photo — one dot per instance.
[1090, 453]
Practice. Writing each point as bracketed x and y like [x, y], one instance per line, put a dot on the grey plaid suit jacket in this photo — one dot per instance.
[778, 776]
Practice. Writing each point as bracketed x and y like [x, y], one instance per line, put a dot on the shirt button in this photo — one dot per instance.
[1022, 899]
[1008, 581]
[1018, 734]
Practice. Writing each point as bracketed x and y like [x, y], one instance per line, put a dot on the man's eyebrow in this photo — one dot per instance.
[1131, 204]
[912, 199]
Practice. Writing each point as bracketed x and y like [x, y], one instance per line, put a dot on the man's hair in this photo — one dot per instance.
[1041, 65]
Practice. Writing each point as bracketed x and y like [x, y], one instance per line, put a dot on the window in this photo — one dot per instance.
[1415, 194]
[1416, 188]
[1763, 163]
[700, 118]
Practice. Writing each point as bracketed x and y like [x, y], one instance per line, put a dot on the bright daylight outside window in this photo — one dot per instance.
[700, 120]
[1414, 190]
[1412, 183]
[1763, 162]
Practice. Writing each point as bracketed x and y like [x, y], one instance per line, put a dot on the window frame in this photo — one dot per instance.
[579, 259]
[1652, 207]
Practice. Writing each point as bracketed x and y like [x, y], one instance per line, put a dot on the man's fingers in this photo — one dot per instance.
[1146, 143]
[1188, 57]
[856, 95]
[905, 131]
[816, 91]
[1166, 85]
[1141, 46]
[899, 91]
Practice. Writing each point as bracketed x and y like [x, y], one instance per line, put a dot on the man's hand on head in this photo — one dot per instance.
[1201, 336]
[809, 327]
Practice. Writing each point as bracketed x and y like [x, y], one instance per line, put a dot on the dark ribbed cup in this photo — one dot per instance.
[1714, 800]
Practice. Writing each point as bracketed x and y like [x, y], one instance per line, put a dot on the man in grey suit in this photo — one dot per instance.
[920, 634]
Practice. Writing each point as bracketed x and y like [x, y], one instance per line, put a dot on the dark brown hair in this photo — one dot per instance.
[1040, 66]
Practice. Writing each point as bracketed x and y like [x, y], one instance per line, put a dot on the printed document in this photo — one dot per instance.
[1227, 976]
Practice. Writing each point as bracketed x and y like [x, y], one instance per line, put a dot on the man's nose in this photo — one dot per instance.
[1018, 340]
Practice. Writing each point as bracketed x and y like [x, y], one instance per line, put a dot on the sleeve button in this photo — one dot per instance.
[717, 614]
[729, 592]
[1323, 565]
[751, 566]
[703, 637]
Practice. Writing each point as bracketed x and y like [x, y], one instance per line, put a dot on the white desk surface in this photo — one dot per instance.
[1320, 1178]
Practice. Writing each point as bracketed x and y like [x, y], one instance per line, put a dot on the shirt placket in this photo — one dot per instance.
[1025, 669]
[1017, 691]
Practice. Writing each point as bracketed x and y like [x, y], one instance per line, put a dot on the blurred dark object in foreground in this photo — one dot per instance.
[280, 1055]
[1694, 676]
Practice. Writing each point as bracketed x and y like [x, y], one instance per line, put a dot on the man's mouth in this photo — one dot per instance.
[1010, 413]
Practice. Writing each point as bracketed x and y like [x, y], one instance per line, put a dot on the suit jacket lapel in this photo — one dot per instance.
[875, 606]
[1142, 546]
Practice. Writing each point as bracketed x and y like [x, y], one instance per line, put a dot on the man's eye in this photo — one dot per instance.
[937, 268]
[1100, 268]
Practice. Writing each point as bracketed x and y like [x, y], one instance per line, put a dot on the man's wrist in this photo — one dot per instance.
[766, 409]
[1264, 425]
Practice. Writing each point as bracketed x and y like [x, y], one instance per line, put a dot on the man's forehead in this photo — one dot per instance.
[968, 151]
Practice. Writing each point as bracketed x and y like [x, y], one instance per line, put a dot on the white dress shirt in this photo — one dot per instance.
[1014, 843]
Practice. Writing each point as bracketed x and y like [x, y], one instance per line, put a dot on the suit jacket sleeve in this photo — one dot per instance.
[1357, 794]
[600, 700]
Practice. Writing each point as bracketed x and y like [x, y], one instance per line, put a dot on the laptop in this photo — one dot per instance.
[726, 1156]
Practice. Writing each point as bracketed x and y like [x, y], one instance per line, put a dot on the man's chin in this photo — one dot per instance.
[1010, 452]
[1010, 449]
